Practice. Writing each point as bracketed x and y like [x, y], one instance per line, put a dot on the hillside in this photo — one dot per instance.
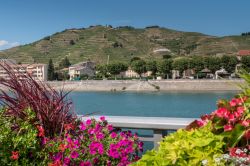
[123, 43]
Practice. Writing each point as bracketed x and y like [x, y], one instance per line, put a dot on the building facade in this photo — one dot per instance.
[37, 71]
[80, 69]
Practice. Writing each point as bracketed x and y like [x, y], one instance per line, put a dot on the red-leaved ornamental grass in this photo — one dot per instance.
[20, 91]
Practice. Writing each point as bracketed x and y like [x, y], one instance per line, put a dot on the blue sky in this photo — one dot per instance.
[25, 21]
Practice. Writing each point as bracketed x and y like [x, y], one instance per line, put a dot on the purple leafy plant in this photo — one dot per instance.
[20, 91]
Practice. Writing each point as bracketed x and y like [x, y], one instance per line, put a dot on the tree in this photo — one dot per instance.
[165, 67]
[245, 60]
[116, 68]
[64, 63]
[180, 64]
[151, 66]
[139, 66]
[212, 63]
[196, 63]
[51, 71]
[229, 63]
[102, 70]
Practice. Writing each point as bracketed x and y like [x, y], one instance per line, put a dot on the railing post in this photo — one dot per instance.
[157, 138]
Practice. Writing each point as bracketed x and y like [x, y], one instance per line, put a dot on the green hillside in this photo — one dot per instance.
[123, 43]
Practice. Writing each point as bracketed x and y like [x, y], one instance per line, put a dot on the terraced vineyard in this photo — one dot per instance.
[123, 43]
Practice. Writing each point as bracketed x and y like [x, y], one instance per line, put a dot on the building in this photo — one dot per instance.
[37, 71]
[132, 74]
[81, 69]
[242, 53]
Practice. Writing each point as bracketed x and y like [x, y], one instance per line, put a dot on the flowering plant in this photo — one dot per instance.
[93, 143]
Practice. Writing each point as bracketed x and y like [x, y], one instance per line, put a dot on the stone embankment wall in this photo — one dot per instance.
[154, 85]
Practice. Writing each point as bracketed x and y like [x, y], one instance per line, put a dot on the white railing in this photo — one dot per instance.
[158, 124]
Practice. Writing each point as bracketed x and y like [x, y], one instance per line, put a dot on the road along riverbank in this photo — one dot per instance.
[147, 86]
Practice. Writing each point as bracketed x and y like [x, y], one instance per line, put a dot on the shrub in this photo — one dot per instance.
[195, 147]
[19, 141]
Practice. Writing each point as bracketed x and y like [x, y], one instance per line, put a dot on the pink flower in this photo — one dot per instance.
[102, 118]
[74, 155]
[200, 123]
[66, 161]
[245, 123]
[88, 122]
[222, 112]
[110, 127]
[231, 118]
[82, 127]
[85, 163]
[100, 135]
[233, 102]
[240, 110]
[228, 127]
[113, 135]
[96, 147]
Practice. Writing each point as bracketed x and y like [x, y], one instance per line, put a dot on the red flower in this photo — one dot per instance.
[40, 131]
[15, 155]
[69, 126]
[228, 127]
[62, 147]
[233, 102]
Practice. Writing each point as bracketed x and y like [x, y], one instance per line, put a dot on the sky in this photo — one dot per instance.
[25, 21]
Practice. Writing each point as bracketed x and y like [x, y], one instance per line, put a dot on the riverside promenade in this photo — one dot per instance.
[151, 85]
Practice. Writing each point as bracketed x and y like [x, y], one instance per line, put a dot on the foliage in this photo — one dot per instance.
[182, 148]
[245, 60]
[229, 63]
[139, 66]
[151, 66]
[116, 68]
[180, 64]
[51, 71]
[64, 63]
[164, 67]
[102, 70]
[93, 143]
[196, 63]
[51, 107]
[20, 144]
[212, 63]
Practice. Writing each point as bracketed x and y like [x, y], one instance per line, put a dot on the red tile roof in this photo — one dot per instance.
[244, 52]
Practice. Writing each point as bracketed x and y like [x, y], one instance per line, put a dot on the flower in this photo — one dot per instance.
[113, 135]
[102, 118]
[110, 127]
[40, 131]
[222, 112]
[95, 147]
[82, 126]
[62, 147]
[85, 163]
[15, 155]
[88, 122]
[74, 155]
[228, 127]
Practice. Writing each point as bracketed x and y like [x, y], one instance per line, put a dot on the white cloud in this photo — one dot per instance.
[6, 44]
[3, 43]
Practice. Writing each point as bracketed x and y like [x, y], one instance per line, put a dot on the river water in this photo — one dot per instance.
[155, 104]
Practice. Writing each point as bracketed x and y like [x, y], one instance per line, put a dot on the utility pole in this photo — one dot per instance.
[108, 60]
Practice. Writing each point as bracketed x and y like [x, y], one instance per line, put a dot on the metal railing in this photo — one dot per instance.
[158, 124]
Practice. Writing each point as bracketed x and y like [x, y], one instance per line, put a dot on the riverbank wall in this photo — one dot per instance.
[152, 85]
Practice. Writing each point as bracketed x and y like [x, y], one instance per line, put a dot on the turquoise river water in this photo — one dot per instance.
[156, 104]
